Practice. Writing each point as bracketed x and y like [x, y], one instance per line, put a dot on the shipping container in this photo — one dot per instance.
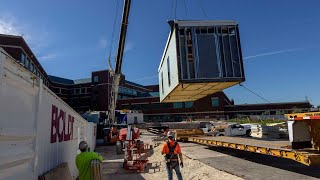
[134, 117]
[200, 58]
[38, 130]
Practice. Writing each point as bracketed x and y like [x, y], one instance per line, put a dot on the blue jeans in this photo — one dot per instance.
[176, 168]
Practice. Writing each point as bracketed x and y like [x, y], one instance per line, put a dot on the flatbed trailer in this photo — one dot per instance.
[282, 149]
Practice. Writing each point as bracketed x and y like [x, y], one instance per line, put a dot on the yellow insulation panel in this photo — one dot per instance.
[194, 91]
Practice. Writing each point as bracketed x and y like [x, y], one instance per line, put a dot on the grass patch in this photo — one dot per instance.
[262, 122]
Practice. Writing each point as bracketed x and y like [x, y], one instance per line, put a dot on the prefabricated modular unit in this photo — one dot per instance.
[200, 58]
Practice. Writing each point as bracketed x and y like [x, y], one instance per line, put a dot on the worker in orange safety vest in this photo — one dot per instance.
[172, 151]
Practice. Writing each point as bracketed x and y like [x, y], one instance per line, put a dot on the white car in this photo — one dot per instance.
[206, 127]
[233, 130]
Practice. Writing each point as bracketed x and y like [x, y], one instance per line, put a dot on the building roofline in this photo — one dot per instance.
[262, 104]
[27, 46]
[11, 35]
[259, 110]
[135, 84]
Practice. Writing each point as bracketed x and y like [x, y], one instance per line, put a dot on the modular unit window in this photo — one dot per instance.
[214, 102]
[162, 88]
[168, 64]
[189, 104]
[23, 58]
[177, 105]
[210, 52]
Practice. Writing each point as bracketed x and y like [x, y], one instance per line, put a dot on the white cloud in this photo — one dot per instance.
[8, 27]
[273, 53]
[48, 57]
[128, 46]
[103, 43]
[36, 38]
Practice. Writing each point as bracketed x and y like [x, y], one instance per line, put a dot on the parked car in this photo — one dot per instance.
[233, 130]
[207, 127]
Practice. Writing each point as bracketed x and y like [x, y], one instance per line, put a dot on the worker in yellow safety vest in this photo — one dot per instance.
[83, 161]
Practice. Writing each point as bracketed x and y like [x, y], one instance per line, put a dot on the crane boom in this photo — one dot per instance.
[123, 34]
[117, 72]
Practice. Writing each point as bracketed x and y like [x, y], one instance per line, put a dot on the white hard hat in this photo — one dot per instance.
[170, 134]
[83, 145]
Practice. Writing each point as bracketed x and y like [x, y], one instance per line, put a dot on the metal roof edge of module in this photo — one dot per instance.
[186, 23]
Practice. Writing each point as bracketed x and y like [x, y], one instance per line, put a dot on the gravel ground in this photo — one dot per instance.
[192, 170]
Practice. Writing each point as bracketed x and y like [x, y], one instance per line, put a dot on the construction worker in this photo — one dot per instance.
[83, 161]
[172, 150]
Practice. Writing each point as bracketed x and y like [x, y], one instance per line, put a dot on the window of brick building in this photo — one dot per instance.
[214, 102]
[77, 91]
[189, 104]
[31, 67]
[26, 63]
[23, 58]
[177, 105]
[83, 90]
[96, 79]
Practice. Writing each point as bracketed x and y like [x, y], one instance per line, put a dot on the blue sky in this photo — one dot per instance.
[280, 39]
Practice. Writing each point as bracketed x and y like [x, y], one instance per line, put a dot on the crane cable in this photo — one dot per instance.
[171, 11]
[254, 93]
[185, 8]
[112, 35]
[202, 9]
[175, 10]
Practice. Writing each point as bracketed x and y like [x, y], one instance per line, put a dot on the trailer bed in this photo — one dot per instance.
[277, 148]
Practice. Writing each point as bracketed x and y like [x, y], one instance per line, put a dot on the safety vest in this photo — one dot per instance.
[171, 156]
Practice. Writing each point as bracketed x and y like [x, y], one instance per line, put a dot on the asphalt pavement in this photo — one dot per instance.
[249, 165]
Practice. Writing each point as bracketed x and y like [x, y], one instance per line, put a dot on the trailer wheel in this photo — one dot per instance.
[248, 132]
[221, 135]
[119, 147]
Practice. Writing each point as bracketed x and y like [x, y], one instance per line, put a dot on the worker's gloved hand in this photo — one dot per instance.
[181, 164]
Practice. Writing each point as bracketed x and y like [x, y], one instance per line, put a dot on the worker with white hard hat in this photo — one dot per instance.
[172, 151]
[83, 161]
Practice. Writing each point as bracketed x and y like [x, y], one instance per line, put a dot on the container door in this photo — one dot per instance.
[135, 120]
[209, 61]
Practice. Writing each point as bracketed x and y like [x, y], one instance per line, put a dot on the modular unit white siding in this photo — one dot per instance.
[38, 131]
[169, 78]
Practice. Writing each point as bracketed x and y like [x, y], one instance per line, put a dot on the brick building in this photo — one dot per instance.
[93, 93]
